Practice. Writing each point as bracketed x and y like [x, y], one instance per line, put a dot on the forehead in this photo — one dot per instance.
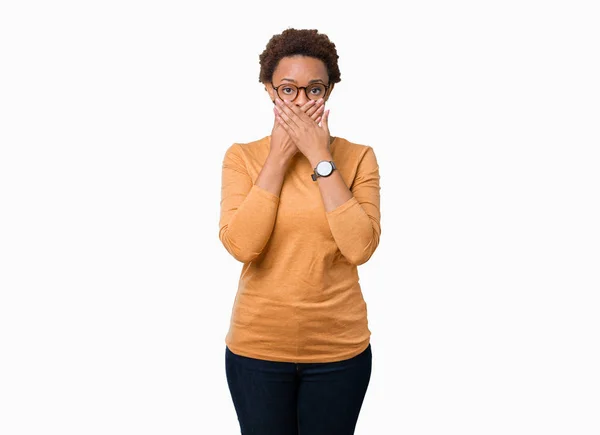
[300, 68]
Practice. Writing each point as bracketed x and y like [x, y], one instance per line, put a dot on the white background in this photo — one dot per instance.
[116, 292]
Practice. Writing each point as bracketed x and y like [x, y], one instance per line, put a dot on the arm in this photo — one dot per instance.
[354, 215]
[248, 211]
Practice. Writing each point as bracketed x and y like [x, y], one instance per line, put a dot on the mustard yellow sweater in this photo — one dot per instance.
[299, 297]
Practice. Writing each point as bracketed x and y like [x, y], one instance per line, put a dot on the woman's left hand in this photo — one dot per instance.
[311, 138]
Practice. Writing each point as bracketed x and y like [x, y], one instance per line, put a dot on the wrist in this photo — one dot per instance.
[318, 157]
[278, 161]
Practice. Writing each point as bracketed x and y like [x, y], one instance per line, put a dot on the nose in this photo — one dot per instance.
[301, 99]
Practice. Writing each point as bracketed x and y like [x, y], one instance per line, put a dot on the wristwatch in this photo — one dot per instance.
[324, 169]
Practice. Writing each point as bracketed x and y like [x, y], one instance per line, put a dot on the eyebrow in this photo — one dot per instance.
[312, 81]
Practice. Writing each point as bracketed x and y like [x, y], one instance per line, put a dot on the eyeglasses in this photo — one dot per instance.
[289, 92]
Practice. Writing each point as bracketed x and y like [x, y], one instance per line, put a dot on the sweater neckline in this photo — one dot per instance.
[332, 142]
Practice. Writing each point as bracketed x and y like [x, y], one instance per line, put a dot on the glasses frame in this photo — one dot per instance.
[299, 89]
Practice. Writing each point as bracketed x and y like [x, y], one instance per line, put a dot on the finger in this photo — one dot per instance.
[318, 113]
[280, 113]
[275, 122]
[294, 113]
[325, 122]
[316, 108]
[283, 124]
[308, 105]
[288, 115]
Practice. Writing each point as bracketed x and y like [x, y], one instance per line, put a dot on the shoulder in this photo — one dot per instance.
[249, 149]
[241, 155]
[348, 150]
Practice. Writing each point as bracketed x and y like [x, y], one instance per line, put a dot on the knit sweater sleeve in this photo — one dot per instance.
[248, 211]
[355, 224]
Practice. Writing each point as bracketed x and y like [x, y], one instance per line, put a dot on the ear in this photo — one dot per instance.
[270, 91]
[329, 91]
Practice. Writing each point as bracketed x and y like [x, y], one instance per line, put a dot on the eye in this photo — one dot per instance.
[288, 90]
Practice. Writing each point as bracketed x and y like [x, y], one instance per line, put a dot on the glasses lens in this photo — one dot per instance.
[316, 91]
[287, 92]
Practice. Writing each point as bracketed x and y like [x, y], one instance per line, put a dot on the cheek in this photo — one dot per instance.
[271, 95]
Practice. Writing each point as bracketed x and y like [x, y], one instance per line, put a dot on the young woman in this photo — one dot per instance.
[300, 209]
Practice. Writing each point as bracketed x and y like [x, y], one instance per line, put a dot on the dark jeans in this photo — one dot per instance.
[283, 398]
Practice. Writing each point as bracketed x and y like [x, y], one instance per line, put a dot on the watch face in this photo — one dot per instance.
[324, 168]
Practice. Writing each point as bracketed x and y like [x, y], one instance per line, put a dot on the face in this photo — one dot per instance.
[300, 71]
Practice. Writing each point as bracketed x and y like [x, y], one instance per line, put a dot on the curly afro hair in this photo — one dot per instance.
[306, 42]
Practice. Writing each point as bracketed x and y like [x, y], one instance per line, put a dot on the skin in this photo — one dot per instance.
[301, 127]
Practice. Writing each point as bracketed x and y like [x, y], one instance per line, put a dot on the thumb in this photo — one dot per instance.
[325, 120]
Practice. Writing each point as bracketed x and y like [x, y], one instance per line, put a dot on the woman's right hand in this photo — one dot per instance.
[282, 146]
